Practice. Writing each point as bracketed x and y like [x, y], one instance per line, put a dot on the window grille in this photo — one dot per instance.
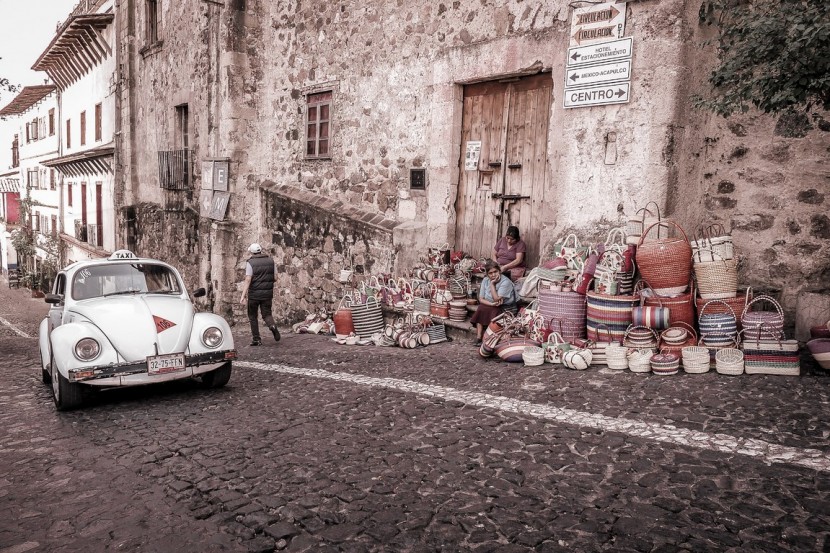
[174, 169]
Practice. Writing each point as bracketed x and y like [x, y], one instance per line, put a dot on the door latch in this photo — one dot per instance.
[508, 197]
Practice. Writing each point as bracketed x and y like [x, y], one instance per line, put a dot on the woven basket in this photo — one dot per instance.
[639, 360]
[820, 349]
[645, 218]
[681, 307]
[777, 356]
[666, 263]
[695, 360]
[616, 357]
[763, 325]
[367, 318]
[713, 240]
[719, 328]
[716, 279]
[665, 363]
[736, 305]
[729, 361]
[598, 347]
[641, 337]
[610, 312]
[567, 307]
[533, 356]
[723, 341]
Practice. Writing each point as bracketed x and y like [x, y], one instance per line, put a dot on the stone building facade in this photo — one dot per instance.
[329, 117]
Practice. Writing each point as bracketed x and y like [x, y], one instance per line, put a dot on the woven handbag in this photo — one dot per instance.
[555, 347]
[599, 346]
[716, 240]
[639, 360]
[771, 356]
[616, 357]
[665, 263]
[763, 325]
[641, 337]
[653, 316]
[437, 333]
[716, 279]
[577, 359]
[609, 264]
[681, 307]
[717, 329]
[610, 312]
[643, 219]
[734, 305]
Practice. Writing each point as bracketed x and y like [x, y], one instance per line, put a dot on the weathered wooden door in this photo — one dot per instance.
[506, 182]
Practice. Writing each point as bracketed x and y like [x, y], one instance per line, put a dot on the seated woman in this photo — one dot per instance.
[509, 253]
[495, 296]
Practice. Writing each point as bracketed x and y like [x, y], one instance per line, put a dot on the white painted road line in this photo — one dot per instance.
[14, 328]
[666, 433]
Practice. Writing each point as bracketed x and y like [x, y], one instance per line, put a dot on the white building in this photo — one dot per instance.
[33, 114]
[81, 61]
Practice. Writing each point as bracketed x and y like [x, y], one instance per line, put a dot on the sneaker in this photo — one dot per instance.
[256, 342]
[275, 331]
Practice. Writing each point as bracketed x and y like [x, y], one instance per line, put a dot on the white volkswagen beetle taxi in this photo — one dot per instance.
[125, 321]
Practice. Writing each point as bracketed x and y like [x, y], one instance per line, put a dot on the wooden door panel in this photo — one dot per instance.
[511, 120]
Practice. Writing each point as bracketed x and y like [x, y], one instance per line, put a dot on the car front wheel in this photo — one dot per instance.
[217, 377]
[67, 395]
[44, 372]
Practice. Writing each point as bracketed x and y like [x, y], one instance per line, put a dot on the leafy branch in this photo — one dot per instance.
[773, 55]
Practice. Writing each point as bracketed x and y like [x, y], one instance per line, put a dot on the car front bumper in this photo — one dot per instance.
[197, 363]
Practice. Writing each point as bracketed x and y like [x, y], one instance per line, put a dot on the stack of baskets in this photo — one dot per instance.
[696, 360]
[458, 310]
[729, 361]
[641, 337]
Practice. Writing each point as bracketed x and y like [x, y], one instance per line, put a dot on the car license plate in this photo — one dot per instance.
[163, 364]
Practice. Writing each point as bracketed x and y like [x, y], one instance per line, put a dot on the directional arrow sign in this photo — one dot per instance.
[597, 23]
[600, 73]
[613, 50]
[597, 95]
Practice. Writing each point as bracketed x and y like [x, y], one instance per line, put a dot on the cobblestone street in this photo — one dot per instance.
[314, 446]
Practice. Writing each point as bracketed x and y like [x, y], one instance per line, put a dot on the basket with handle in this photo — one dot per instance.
[734, 305]
[533, 356]
[367, 318]
[554, 347]
[666, 263]
[568, 307]
[716, 240]
[763, 325]
[770, 355]
[652, 316]
[716, 279]
[599, 346]
[640, 337]
[616, 356]
[681, 307]
[685, 336]
[717, 329]
[645, 218]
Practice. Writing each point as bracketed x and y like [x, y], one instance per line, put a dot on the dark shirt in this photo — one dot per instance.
[507, 254]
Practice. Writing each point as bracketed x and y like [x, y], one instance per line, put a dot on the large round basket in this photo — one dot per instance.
[716, 279]
[666, 263]
[725, 305]
[611, 312]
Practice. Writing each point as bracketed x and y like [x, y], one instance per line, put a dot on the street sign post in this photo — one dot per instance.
[597, 23]
[599, 95]
[613, 50]
[600, 73]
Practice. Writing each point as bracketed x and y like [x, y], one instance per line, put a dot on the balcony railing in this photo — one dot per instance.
[174, 169]
[81, 231]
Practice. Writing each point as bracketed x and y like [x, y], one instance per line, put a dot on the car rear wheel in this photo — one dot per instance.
[67, 395]
[217, 377]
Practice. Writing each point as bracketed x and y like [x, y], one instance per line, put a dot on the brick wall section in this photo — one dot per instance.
[311, 238]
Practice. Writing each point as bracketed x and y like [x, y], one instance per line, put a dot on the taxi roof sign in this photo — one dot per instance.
[122, 254]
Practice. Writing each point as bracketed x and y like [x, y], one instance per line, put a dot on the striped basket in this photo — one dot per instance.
[665, 363]
[567, 308]
[367, 318]
[610, 312]
[736, 305]
[778, 357]
[820, 348]
[681, 307]
[763, 325]
[717, 329]
[437, 333]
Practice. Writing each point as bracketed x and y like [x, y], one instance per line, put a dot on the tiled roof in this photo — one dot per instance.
[29, 96]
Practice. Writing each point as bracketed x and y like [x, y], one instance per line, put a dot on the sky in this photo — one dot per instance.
[26, 29]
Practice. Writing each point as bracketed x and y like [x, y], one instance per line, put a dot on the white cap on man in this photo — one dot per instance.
[255, 248]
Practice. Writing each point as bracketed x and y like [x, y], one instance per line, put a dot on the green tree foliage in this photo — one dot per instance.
[773, 55]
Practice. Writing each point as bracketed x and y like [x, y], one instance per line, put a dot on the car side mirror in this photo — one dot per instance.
[54, 299]
[199, 292]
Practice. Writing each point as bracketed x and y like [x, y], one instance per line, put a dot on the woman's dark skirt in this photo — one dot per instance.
[484, 314]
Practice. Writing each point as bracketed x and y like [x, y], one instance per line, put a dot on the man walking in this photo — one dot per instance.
[258, 292]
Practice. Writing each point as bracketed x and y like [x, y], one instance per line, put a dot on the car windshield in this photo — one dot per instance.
[122, 278]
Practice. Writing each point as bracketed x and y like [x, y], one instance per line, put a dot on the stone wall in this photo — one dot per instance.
[312, 238]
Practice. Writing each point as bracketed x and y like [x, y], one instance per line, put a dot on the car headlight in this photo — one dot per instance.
[87, 349]
[212, 337]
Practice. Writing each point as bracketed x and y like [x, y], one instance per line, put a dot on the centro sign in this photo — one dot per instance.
[597, 95]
